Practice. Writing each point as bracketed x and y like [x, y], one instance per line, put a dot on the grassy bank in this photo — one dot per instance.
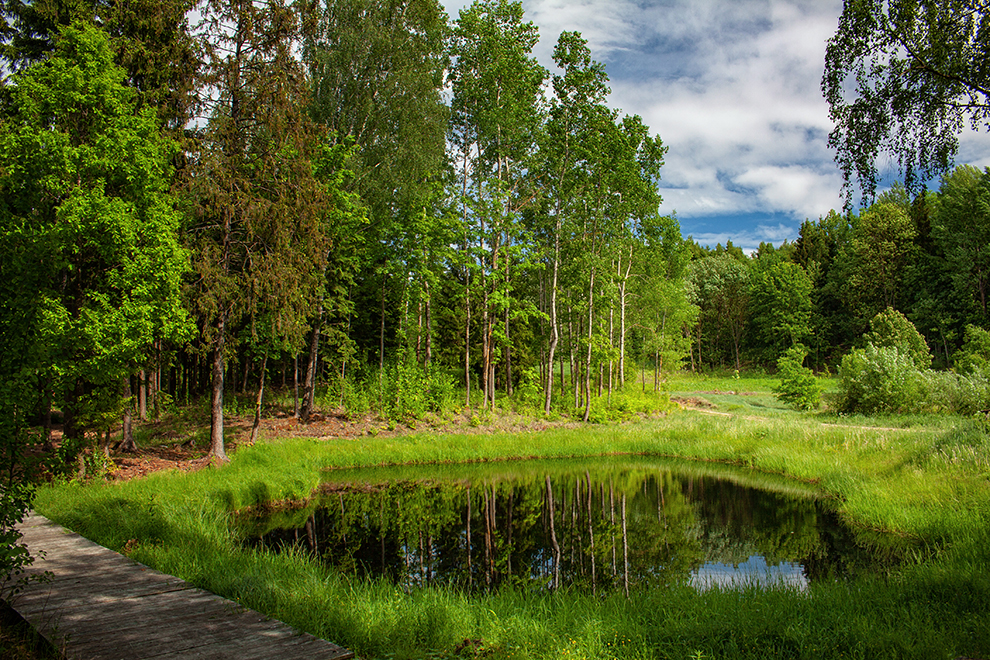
[930, 482]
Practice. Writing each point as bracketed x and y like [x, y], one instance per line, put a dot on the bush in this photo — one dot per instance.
[879, 379]
[974, 356]
[945, 391]
[798, 386]
[891, 329]
[528, 394]
[883, 379]
[410, 390]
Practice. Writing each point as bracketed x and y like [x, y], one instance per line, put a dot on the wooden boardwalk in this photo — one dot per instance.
[103, 605]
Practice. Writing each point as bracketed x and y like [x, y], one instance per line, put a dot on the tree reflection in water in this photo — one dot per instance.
[601, 528]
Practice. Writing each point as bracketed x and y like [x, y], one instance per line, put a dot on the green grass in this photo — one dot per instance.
[930, 481]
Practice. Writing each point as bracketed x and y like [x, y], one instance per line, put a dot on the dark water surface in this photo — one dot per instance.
[602, 524]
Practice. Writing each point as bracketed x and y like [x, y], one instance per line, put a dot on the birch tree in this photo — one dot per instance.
[496, 114]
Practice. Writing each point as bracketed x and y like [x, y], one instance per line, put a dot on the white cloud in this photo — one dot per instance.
[733, 90]
[793, 189]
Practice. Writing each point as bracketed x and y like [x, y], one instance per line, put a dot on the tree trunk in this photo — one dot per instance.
[381, 339]
[467, 293]
[486, 356]
[429, 326]
[260, 400]
[143, 395]
[46, 421]
[309, 386]
[467, 525]
[622, 322]
[625, 550]
[216, 451]
[70, 413]
[247, 373]
[295, 386]
[554, 327]
[555, 581]
[467, 339]
[507, 353]
[126, 431]
[591, 539]
[587, 359]
[572, 355]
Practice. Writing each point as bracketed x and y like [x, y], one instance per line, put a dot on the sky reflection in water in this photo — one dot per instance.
[603, 525]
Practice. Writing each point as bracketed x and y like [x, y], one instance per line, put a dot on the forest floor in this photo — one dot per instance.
[174, 443]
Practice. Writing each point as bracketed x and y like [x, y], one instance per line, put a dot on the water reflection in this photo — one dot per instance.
[594, 528]
[755, 570]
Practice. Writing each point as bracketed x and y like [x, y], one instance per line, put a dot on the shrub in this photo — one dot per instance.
[798, 386]
[891, 329]
[528, 394]
[974, 356]
[945, 391]
[879, 379]
[883, 379]
[410, 390]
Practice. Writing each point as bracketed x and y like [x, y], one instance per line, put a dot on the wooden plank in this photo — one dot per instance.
[104, 605]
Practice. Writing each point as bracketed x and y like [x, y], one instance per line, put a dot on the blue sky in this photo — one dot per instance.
[733, 89]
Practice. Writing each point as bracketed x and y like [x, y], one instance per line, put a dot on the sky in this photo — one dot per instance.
[732, 87]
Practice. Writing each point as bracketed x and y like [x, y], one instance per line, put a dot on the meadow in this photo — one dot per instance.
[924, 477]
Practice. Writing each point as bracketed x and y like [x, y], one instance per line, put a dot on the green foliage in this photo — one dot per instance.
[92, 266]
[880, 248]
[407, 390]
[780, 306]
[878, 379]
[377, 69]
[15, 502]
[902, 77]
[946, 391]
[720, 287]
[960, 230]
[798, 385]
[974, 356]
[529, 393]
[887, 380]
[892, 329]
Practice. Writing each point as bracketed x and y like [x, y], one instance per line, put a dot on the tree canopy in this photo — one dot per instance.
[92, 264]
[903, 78]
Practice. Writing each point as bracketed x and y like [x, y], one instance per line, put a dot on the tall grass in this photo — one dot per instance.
[928, 483]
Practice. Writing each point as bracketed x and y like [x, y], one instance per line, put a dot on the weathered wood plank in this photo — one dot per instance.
[102, 605]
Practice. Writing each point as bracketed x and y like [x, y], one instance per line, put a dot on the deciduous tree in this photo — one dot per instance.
[496, 102]
[904, 77]
[91, 264]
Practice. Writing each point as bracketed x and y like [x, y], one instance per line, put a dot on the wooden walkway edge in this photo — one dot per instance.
[103, 605]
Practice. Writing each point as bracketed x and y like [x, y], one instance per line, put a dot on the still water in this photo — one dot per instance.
[597, 525]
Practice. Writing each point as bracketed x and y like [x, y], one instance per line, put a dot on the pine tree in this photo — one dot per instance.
[259, 230]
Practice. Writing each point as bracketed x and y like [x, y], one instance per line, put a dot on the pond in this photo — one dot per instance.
[597, 525]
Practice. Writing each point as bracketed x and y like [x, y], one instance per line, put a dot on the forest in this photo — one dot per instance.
[381, 208]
